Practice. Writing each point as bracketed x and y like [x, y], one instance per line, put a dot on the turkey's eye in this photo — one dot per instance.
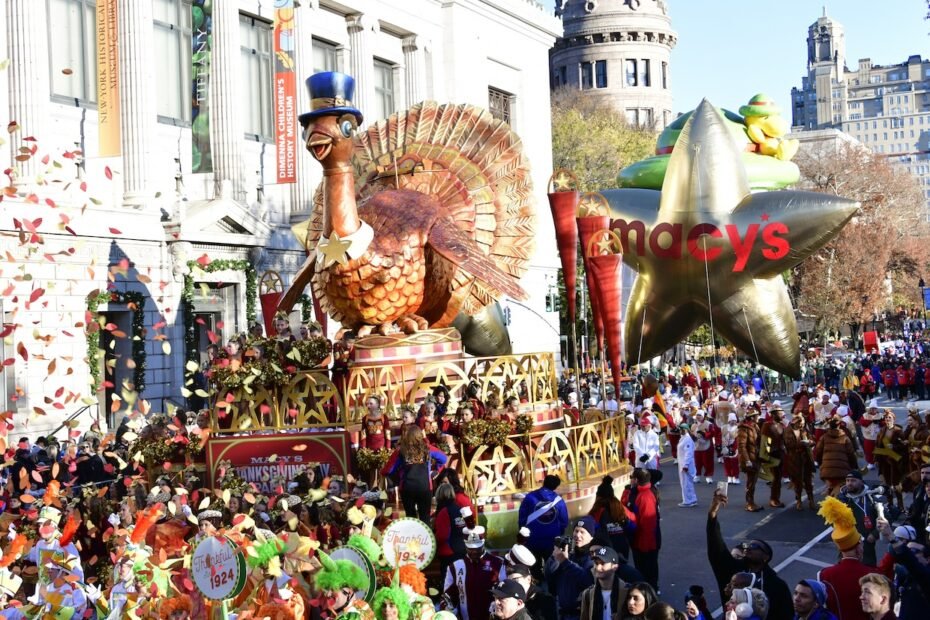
[347, 127]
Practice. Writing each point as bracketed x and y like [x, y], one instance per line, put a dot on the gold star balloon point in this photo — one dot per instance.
[706, 247]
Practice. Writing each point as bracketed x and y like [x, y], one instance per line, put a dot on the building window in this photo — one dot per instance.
[500, 104]
[324, 56]
[645, 79]
[173, 50]
[384, 90]
[561, 76]
[256, 84]
[73, 50]
[600, 73]
[587, 79]
[631, 73]
[639, 117]
[665, 75]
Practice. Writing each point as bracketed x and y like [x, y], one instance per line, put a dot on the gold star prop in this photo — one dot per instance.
[706, 247]
[333, 250]
[562, 182]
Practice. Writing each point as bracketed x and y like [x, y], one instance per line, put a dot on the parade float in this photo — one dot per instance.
[422, 222]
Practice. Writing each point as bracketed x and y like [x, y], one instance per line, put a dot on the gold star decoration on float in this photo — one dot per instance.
[333, 250]
[706, 249]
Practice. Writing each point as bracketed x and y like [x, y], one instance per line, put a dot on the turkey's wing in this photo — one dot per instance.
[453, 244]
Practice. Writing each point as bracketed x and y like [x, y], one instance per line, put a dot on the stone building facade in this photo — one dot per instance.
[136, 219]
[618, 50]
[885, 107]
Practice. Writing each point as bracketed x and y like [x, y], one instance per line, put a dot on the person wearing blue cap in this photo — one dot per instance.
[810, 601]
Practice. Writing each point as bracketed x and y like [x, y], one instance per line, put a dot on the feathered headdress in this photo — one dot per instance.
[840, 516]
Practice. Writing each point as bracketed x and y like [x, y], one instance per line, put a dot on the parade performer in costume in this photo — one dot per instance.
[748, 439]
[9, 586]
[772, 452]
[277, 596]
[836, 455]
[891, 453]
[871, 423]
[799, 459]
[339, 582]
[842, 579]
[646, 444]
[467, 588]
[915, 435]
[730, 448]
[54, 548]
[705, 434]
[390, 603]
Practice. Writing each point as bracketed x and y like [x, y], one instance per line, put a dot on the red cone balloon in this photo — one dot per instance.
[564, 206]
[269, 302]
[587, 226]
[608, 274]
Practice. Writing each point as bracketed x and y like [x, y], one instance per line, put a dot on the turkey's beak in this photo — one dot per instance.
[319, 145]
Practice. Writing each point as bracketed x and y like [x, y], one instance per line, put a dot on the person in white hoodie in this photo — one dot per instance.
[646, 444]
[871, 423]
[729, 437]
[686, 467]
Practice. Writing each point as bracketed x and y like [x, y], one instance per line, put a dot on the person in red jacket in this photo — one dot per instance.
[903, 382]
[647, 537]
[889, 378]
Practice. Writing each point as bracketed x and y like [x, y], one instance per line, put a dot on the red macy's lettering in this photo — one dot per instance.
[665, 240]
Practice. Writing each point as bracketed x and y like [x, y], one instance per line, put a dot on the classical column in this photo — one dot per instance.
[225, 118]
[308, 171]
[415, 81]
[138, 115]
[361, 28]
[27, 41]
[5, 156]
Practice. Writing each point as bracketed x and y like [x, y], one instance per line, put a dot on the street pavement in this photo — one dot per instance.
[800, 540]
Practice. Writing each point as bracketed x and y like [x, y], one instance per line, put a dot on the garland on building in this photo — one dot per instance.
[136, 302]
[187, 297]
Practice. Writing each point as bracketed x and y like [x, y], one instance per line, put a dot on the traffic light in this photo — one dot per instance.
[548, 302]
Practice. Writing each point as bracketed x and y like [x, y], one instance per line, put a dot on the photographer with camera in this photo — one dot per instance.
[568, 569]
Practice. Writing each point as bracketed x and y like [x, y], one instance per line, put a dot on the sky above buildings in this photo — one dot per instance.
[728, 50]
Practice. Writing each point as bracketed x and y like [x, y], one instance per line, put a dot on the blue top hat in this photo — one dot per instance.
[330, 93]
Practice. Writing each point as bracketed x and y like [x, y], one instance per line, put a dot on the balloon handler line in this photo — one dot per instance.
[753, 341]
[710, 307]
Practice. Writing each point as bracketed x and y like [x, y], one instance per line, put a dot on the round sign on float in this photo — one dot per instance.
[361, 560]
[408, 541]
[218, 568]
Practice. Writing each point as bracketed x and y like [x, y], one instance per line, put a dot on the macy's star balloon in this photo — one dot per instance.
[707, 250]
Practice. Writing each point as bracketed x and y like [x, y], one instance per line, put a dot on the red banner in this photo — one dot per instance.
[260, 459]
[285, 92]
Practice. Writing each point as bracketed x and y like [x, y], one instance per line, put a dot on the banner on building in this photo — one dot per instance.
[108, 78]
[201, 37]
[263, 459]
[285, 91]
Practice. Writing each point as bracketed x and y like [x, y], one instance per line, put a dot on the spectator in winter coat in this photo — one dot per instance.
[647, 539]
[810, 601]
[569, 572]
[611, 517]
[544, 513]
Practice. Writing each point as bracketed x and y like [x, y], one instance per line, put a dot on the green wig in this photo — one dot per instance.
[395, 595]
[367, 546]
[337, 574]
[264, 553]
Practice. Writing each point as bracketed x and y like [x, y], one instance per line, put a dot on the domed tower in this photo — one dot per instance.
[618, 50]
